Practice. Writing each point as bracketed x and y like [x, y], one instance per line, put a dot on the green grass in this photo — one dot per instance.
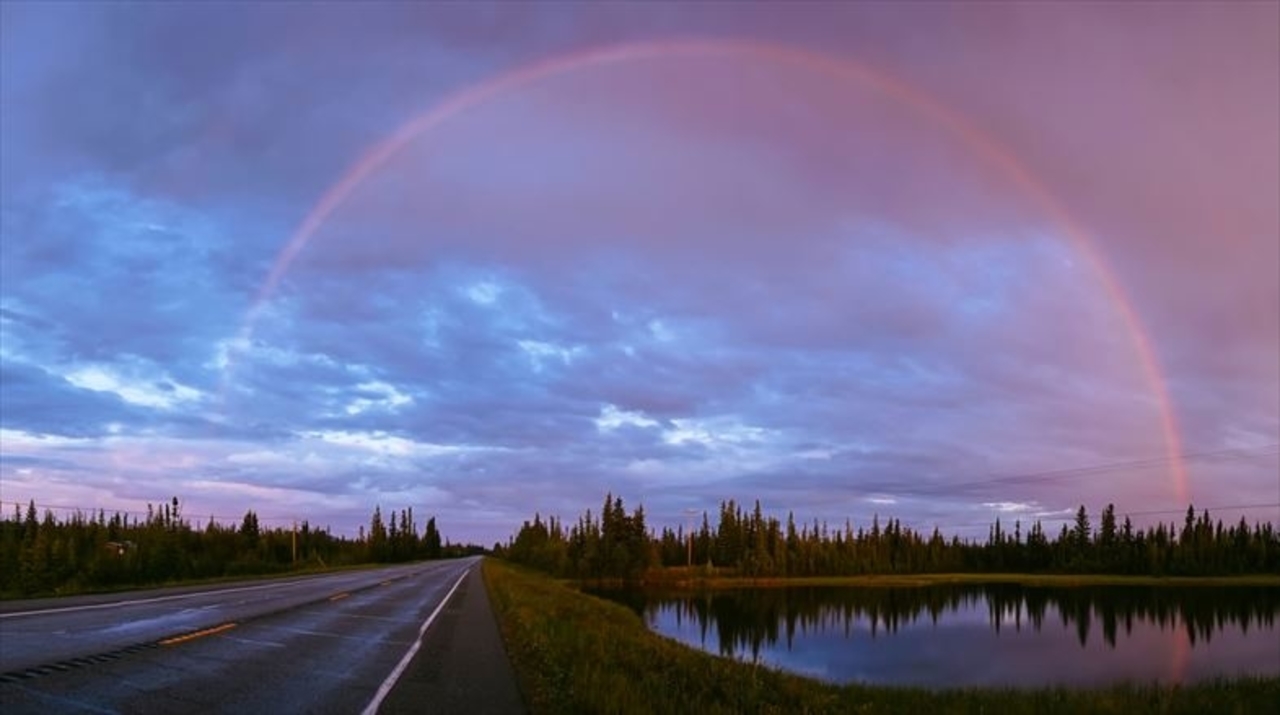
[574, 653]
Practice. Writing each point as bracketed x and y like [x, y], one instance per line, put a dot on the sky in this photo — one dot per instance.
[938, 262]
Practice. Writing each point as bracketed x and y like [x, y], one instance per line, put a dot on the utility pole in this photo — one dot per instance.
[689, 514]
[295, 542]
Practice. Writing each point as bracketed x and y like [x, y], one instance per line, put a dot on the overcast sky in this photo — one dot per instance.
[845, 258]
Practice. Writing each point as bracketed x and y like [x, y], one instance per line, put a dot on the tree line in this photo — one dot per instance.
[616, 544]
[43, 554]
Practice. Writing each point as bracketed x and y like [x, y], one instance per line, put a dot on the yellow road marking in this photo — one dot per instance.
[339, 597]
[198, 634]
[385, 583]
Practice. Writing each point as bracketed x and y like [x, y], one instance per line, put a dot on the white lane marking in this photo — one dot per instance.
[158, 599]
[390, 682]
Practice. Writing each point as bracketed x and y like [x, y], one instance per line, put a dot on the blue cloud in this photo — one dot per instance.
[685, 280]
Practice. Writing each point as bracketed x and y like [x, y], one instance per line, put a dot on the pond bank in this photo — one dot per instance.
[577, 653]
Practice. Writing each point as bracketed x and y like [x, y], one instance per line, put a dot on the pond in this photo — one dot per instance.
[980, 635]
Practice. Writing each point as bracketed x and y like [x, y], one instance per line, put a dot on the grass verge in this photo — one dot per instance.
[575, 653]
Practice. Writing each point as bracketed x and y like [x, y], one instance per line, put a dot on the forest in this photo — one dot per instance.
[618, 545]
[45, 555]
[41, 554]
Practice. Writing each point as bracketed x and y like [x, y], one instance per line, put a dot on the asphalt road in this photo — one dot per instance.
[416, 638]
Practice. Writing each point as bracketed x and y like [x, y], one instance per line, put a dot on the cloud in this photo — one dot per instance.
[38, 402]
[679, 279]
[611, 418]
[163, 393]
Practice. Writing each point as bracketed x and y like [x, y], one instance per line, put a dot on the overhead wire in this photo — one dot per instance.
[1222, 455]
[1231, 454]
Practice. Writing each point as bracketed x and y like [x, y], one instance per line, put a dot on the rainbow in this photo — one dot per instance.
[983, 145]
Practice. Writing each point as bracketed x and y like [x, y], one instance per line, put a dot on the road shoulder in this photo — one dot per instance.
[462, 666]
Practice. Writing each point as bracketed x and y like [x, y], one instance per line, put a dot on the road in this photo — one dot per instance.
[415, 638]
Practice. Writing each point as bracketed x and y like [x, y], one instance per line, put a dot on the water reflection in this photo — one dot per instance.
[981, 635]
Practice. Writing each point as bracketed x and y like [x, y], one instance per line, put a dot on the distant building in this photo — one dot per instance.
[121, 547]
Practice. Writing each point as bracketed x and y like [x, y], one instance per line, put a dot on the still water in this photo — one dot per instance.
[991, 635]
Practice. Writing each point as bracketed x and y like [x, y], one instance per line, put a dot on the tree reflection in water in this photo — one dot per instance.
[747, 620]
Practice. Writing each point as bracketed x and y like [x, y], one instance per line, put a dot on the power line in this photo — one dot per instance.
[924, 525]
[90, 510]
[945, 488]
[1240, 453]
[1071, 515]
[1202, 510]
[1047, 475]
[1232, 454]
